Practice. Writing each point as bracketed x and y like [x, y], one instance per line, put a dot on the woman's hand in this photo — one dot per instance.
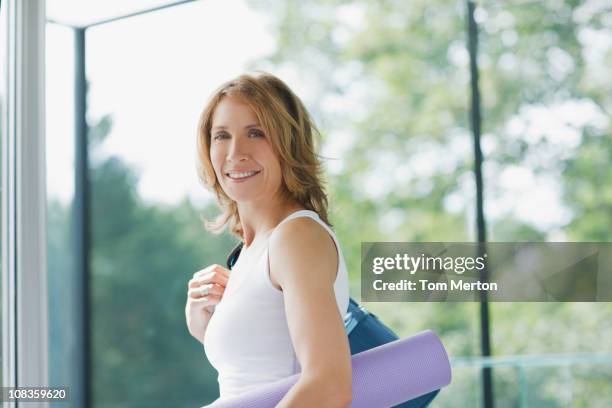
[204, 291]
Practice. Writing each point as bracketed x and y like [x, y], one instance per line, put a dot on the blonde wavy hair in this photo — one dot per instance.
[292, 134]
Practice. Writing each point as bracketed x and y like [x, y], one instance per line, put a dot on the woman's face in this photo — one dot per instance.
[241, 153]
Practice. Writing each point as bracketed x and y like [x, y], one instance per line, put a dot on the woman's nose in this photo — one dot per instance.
[237, 151]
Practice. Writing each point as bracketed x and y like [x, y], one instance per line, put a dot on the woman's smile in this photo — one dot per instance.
[240, 177]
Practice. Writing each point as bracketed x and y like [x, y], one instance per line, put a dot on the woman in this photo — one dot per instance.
[280, 310]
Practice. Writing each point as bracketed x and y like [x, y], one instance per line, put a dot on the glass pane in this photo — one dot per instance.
[546, 117]
[65, 350]
[546, 104]
[147, 88]
[546, 137]
[387, 82]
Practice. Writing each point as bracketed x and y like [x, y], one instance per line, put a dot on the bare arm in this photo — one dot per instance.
[304, 262]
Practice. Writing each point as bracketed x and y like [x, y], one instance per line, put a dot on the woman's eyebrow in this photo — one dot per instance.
[246, 127]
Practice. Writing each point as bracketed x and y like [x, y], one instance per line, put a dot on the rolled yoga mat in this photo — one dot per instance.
[383, 376]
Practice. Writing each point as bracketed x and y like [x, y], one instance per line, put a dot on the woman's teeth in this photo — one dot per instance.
[238, 176]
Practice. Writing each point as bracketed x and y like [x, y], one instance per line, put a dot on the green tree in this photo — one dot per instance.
[142, 257]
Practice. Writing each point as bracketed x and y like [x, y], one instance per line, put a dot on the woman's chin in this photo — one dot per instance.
[242, 197]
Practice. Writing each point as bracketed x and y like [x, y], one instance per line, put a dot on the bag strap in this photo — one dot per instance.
[355, 315]
[233, 256]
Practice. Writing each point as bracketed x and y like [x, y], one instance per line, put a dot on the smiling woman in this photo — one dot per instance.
[280, 310]
[276, 115]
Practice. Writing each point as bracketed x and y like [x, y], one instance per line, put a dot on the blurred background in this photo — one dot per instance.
[389, 85]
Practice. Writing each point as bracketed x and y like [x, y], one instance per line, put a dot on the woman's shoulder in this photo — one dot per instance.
[302, 242]
[301, 227]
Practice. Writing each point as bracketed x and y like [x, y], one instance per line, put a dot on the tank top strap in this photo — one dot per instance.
[298, 214]
[304, 213]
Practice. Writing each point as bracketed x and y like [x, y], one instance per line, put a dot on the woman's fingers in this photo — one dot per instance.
[205, 301]
[212, 277]
[204, 290]
[212, 274]
[214, 267]
[204, 271]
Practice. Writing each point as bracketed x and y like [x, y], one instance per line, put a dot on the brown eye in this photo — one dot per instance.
[256, 133]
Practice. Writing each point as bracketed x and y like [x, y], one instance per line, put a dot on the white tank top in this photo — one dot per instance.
[247, 339]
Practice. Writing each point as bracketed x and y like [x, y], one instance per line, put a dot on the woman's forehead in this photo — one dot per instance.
[233, 111]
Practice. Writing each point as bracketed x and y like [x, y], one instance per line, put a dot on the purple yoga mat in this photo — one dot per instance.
[383, 376]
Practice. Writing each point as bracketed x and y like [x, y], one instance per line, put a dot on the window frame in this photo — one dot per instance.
[24, 254]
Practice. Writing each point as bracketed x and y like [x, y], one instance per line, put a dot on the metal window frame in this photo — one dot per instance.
[82, 394]
[24, 261]
[475, 112]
